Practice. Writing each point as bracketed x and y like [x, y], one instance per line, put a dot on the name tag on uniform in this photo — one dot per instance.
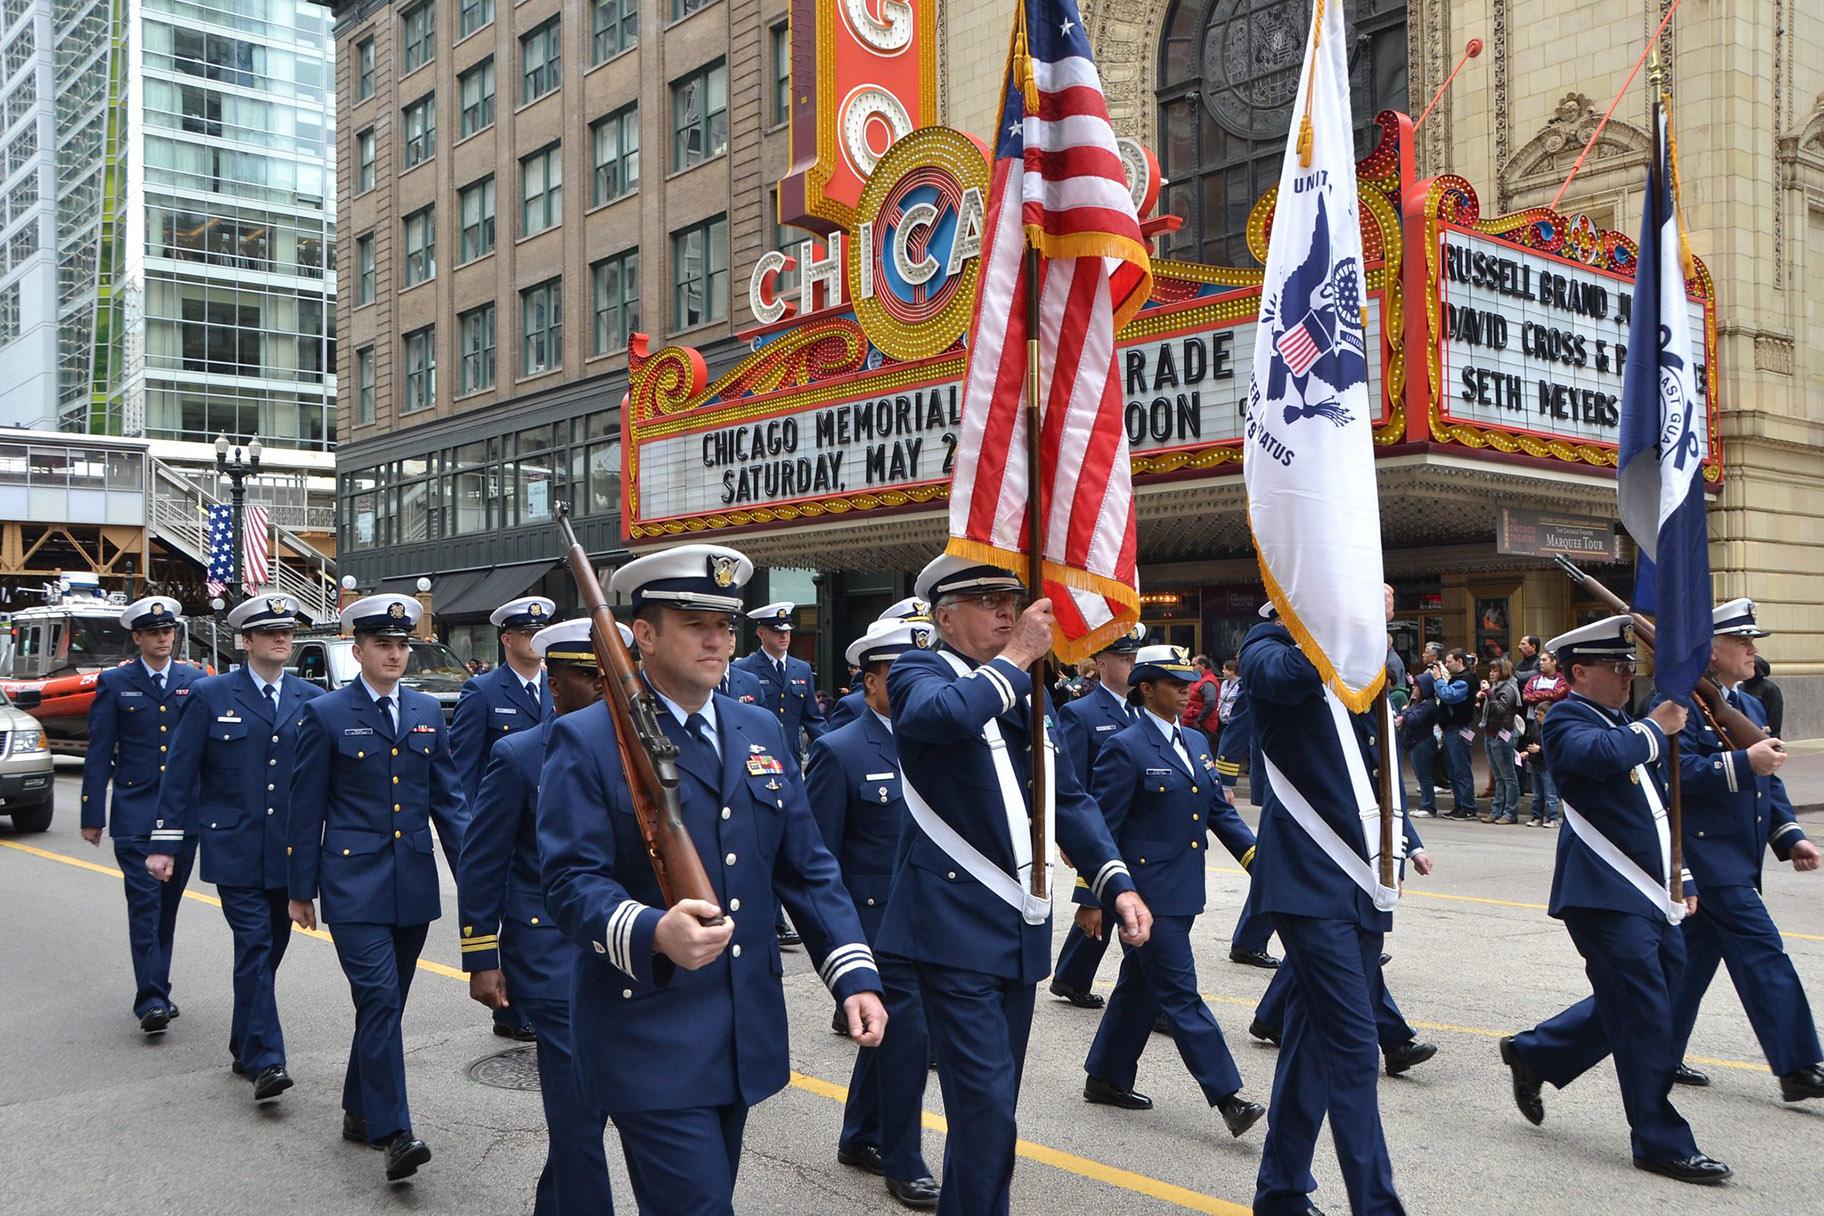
[128, 692]
[881, 777]
[1106, 726]
[505, 709]
[228, 718]
[1159, 772]
[759, 766]
[356, 730]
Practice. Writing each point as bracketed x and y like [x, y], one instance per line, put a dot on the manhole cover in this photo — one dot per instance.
[514, 1068]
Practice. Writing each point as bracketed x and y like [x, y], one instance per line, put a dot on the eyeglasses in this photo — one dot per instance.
[995, 601]
[1621, 667]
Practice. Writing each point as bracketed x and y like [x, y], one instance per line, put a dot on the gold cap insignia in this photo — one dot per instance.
[396, 610]
[722, 570]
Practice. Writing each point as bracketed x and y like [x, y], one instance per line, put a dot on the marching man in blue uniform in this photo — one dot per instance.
[1735, 809]
[1157, 785]
[373, 772]
[1088, 722]
[513, 697]
[960, 906]
[219, 785]
[856, 793]
[515, 955]
[679, 1014]
[738, 683]
[1611, 890]
[789, 686]
[132, 722]
[1315, 874]
[855, 704]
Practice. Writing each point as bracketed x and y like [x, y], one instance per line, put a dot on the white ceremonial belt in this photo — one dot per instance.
[1360, 870]
[1006, 887]
[1657, 893]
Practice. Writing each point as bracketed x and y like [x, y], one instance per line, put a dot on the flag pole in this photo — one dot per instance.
[1035, 567]
[1383, 716]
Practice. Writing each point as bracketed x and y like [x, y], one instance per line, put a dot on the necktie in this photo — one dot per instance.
[158, 678]
[272, 697]
[1735, 698]
[386, 714]
[779, 665]
[1133, 713]
[532, 692]
[1178, 746]
[698, 726]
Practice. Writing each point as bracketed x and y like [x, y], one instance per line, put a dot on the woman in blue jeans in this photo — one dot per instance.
[1500, 703]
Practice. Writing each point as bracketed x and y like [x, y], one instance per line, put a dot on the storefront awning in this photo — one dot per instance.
[466, 592]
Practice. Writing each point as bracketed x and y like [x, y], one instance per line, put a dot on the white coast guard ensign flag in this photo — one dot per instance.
[1059, 185]
[1309, 464]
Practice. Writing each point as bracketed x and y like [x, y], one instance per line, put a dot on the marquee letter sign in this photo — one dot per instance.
[864, 76]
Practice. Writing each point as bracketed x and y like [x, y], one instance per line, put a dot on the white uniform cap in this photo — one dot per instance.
[1736, 619]
[152, 612]
[887, 640]
[777, 615]
[948, 574]
[387, 613]
[691, 578]
[265, 612]
[527, 610]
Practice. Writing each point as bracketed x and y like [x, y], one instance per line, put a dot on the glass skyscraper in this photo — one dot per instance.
[195, 225]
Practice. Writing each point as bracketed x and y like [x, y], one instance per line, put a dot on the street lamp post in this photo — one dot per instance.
[237, 471]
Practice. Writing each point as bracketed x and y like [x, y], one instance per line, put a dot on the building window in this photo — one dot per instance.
[477, 209]
[541, 182]
[420, 130]
[364, 161]
[472, 16]
[614, 26]
[364, 269]
[541, 321]
[420, 246]
[364, 385]
[1225, 98]
[477, 370]
[364, 69]
[421, 368]
[418, 30]
[699, 268]
[681, 9]
[782, 72]
[616, 286]
[476, 90]
[541, 60]
[699, 116]
[9, 313]
[615, 144]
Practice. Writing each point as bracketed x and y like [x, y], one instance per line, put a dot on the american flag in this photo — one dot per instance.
[1058, 184]
[1305, 343]
[258, 549]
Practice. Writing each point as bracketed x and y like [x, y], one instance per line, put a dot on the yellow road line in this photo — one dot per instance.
[1499, 903]
[1083, 1167]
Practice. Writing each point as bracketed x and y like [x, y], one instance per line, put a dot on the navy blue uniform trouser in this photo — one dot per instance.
[1390, 1024]
[1078, 959]
[1161, 977]
[978, 1026]
[574, 1181]
[1252, 929]
[260, 922]
[683, 1162]
[887, 1088]
[152, 918]
[1634, 964]
[1329, 1064]
[1732, 926]
[379, 961]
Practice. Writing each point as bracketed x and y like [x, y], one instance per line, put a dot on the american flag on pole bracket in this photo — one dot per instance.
[221, 549]
[1058, 184]
[256, 550]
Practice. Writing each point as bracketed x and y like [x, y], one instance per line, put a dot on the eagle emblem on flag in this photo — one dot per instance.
[1324, 346]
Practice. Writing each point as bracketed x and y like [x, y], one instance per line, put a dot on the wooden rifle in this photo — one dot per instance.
[648, 756]
[1737, 730]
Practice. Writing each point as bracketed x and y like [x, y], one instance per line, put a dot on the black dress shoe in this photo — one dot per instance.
[271, 1083]
[404, 1154]
[1253, 958]
[867, 1157]
[154, 1021]
[1161, 1025]
[1263, 1032]
[1803, 1084]
[519, 1034]
[1239, 1114]
[1386, 958]
[1103, 1094]
[174, 1012]
[237, 1068]
[1405, 1055]
[1699, 1169]
[354, 1130]
[914, 1192]
[1684, 1074]
[1526, 1084]
[789, 938]
[1082, 1000]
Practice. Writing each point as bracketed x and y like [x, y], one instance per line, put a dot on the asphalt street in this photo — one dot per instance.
[97, 1119]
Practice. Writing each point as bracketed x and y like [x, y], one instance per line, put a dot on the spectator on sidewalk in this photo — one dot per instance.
[1526, 659]
[1763, 689]
[1203, 710]
[1542, 692]
[1500, 706]
[1418, 726]
[1456, 718]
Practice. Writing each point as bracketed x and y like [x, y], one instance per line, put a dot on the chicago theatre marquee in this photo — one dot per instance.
[827, 445]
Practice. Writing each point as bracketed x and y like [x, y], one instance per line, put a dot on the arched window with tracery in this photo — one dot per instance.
[1228, 77]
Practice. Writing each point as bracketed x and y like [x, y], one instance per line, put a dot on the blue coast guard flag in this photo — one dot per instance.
[1313, 506]
[1660, 485]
